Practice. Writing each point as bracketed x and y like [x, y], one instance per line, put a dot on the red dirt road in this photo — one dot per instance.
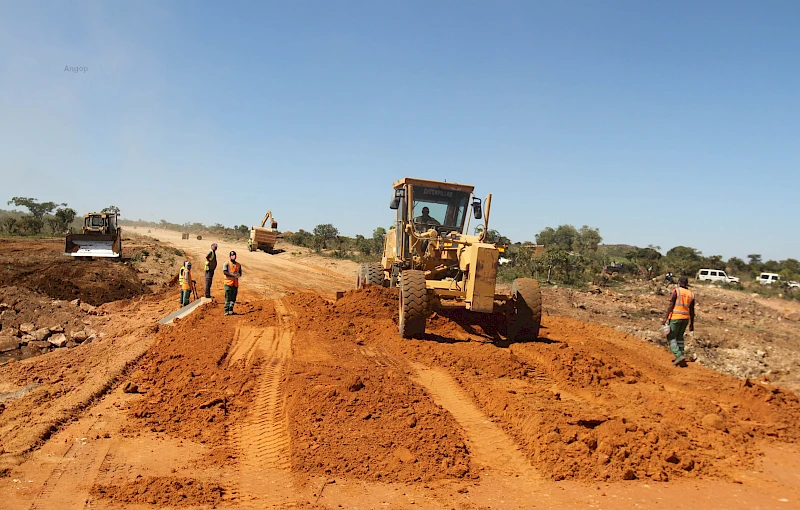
[302, 402]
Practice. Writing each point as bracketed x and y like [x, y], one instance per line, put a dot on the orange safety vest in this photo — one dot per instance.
[683, 300]
[232, 268]
[183, 278]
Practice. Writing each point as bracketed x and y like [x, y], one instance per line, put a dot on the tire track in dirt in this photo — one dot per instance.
[489, 445]
[263, 438]
[68, 484]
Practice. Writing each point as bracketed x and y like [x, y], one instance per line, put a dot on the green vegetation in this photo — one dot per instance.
[42, 219]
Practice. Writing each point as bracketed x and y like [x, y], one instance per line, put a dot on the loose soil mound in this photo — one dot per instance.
[353, 411]
[162, 491]
[584, 401]
[191, 394]
[42, 267]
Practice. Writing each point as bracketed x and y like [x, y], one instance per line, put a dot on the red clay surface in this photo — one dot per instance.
[299, 401]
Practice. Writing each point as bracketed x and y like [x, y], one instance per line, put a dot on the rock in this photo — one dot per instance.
[86, 307]
[39, 345]
[89, 331]
[355, 384]
[794, 316]
[714, 421]
[4, 306]
[629, 475]
[411, 422]
[75, 302]
[78, 336]
[8, 343]
[26, 339]
[71, 344]
[41, 334]
[27, 328]
[404, 455]
[130, 387]
[58, 340]
[11, 332]
[57, 329]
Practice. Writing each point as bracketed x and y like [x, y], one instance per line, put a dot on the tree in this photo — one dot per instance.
[564, 237]
[736, 265]
[111, 209]
[324, 233]
[378, 236]
[37, 210]
[588, 239]
[34, 223]
[63, 219]
[755, 261]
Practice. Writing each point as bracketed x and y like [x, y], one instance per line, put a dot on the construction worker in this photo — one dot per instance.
[185, 280]
[211, 266]
[680, 314]
[232, 271]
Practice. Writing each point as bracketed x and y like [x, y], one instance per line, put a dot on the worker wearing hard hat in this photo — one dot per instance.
[185, 280]
[232, 271]
[211, 266]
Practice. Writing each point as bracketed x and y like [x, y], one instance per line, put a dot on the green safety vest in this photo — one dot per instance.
[213, 257]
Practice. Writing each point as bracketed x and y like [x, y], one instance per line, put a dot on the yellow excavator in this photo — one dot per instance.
[263, 237]
[101, 237]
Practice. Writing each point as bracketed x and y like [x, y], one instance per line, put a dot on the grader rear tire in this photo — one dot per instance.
[413, 303]
[526, 300]
[374, 274]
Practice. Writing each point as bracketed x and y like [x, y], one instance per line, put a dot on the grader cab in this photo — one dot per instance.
[429, 254]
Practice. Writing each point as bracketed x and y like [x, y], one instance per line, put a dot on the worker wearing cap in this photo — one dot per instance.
[211, 266]
[232, 271]
[680, 314]
[185, 280]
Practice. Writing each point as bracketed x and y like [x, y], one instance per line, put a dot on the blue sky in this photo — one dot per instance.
[671, 123]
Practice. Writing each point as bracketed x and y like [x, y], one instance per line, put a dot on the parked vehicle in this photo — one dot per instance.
[794, 285]
[768, 278]
[716, 275]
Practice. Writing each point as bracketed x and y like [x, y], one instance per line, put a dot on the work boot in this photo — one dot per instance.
[680, 361]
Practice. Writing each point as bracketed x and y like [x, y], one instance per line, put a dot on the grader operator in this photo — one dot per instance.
[429, 254]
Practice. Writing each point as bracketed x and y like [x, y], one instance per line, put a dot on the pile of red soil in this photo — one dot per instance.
[585, 401]
[41, 266]
[353, 412]
[191, 393]
[162, 491]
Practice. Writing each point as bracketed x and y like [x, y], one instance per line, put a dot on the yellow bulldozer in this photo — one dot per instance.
[101, 236]
[263, 237]
[429, 254]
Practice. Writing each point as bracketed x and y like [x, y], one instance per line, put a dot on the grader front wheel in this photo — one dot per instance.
[526, 312]
[374, 274]
[413, 303]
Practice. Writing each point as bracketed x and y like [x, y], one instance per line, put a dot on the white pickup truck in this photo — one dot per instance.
[716, 275]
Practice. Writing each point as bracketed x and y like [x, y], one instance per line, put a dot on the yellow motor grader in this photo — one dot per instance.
[430, 256]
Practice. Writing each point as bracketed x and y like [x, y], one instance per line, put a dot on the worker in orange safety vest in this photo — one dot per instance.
[680, 314]
[232, 271]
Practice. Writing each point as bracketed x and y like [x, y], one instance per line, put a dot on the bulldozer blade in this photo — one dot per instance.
[87, 245]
